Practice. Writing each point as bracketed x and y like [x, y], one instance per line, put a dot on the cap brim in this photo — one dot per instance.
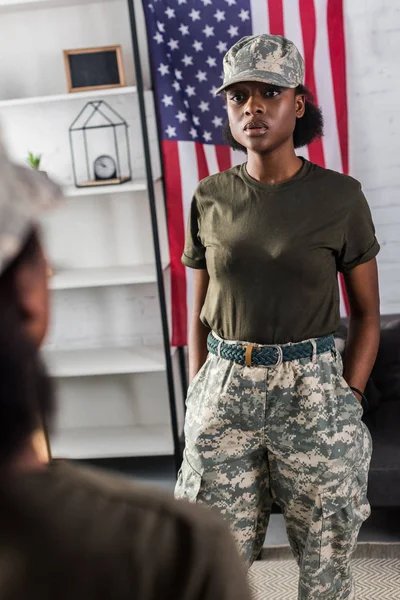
[271, 78]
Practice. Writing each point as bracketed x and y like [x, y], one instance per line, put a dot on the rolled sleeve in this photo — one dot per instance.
[360, 244]
[194, 263]
[194, 254]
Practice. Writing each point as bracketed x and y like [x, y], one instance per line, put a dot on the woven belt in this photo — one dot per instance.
[268, 356]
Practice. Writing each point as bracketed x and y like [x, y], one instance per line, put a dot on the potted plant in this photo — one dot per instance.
[34, 160]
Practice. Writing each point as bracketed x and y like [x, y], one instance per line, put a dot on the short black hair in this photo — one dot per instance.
[29, 254]
[308, 128]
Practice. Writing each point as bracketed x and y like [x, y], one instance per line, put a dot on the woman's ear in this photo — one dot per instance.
[300, 106]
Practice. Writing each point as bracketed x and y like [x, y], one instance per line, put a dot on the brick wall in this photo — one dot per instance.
[373, 49]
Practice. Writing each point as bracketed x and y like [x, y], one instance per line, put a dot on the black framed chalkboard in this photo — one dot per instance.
[94, 68]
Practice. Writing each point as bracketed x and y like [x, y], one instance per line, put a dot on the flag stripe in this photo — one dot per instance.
[275, 13]
[201, 161]
[223, 157]
[292, 23]
[176, 223]
[189, 176]
[259, 16]
[337, 49]
[308, 24]
[237, 158]
[325, 92]
[293, 31]
[210, 152]
[343, 296]
[190, 179]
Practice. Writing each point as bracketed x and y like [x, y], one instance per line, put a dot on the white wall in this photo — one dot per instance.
[373, 50]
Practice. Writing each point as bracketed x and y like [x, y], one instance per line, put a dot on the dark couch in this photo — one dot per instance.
[383, 417]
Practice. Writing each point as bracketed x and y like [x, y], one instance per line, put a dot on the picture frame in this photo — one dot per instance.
[96, 68]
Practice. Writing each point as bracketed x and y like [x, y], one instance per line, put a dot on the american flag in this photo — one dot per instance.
[187, 42]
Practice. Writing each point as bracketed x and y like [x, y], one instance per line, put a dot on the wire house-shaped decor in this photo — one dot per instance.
[100, 146]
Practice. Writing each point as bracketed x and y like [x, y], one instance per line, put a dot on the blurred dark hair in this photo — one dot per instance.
[29, 254]
[25, 388]
[309, 128]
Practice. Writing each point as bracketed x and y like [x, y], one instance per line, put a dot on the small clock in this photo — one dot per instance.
[104, 168]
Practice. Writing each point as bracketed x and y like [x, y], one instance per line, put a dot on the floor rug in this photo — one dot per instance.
[376, 570]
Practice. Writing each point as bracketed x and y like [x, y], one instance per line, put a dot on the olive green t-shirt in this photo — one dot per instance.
[273, 251]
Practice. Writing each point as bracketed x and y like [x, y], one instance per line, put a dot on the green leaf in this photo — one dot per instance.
[34, 160]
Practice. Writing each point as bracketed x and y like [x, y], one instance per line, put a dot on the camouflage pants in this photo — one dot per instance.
[290, 434]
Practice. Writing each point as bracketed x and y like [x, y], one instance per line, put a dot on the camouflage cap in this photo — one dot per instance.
[265, 58]
[24, 195]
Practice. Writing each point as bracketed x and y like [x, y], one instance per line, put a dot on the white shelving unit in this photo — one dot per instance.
[104, 277]
[74, 96]
[139, 185]
[22, 5]
[105, 347]
[105, 361]
[113, 442]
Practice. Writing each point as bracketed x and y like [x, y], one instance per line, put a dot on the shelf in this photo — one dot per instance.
[137, 185]
[104, 277]
[94, 94]
[108, 442]
[105, 361]
[14, 5]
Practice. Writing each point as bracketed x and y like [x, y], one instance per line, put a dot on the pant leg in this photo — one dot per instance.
[319, 461]
[225, 464]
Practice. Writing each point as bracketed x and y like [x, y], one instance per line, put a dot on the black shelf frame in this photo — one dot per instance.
[177, 439]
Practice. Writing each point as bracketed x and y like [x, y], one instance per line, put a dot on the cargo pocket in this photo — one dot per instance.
[344, 509]
[350, 397]
[192, 385]
[189, 481]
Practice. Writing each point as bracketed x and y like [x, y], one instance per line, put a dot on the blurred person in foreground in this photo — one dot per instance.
[68, 532]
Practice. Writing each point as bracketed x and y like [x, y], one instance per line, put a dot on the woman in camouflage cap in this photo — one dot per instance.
[24, 298]
[270, 416]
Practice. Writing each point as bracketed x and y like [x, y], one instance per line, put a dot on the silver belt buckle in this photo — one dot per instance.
[280, 357]
[249, 352]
